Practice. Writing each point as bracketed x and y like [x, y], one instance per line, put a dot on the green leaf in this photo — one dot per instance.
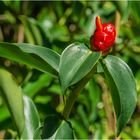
[76, 62]
[32, 121]
[93, 98]
[79, 129]
[4, 113]
[123, 7]
[32, 25]
[37, 134]
[51, 125]
[55, 128]
[65, 131]
[123, 89]
[12, 95]
[35, 56]
[31, 88]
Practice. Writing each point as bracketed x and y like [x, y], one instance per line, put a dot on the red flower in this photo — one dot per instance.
[103, 37]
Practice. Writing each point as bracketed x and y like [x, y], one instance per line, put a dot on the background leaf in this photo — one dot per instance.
[76, 61]
[32, 88]
[11, 91]
[123, 89]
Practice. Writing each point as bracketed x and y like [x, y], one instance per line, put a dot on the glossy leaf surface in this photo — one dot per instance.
[76, 62]
[35, 56]
[65, 131]
[32, 121]
[123, 89]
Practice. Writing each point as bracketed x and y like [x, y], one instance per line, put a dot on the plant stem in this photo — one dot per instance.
[74, 94]
[117, 21]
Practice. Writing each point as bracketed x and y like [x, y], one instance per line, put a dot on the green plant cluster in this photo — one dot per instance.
[34, 83]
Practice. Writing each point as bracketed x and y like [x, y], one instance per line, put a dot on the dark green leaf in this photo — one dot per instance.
[76, 62]
[51, 125]
[49, 56]
[123, 89]
[12, 95]
[55, 128]
[32, 121]
[43, 59]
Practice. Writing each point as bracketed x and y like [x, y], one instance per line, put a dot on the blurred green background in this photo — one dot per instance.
[56, 24]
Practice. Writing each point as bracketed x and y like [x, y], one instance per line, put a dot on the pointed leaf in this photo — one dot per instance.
[12, 95]
[49, 56]
[123, 89]
[35, 56]
[76, 62]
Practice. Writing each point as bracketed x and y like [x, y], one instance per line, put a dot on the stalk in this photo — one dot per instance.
[74, 94]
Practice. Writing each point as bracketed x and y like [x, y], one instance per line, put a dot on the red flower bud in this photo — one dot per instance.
[103, 37]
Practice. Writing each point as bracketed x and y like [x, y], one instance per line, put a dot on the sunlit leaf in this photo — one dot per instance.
[32, 121]
[76, 62]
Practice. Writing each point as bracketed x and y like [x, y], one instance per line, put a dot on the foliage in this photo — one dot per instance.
[44, 65]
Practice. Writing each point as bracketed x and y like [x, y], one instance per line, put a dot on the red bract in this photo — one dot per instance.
[103, 37]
